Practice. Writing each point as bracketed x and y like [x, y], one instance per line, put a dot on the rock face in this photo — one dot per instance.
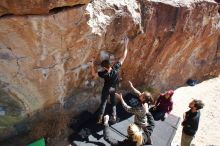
[23, 7]
[43, 58]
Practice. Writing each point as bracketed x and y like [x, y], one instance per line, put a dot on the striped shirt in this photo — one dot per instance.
[139, 113]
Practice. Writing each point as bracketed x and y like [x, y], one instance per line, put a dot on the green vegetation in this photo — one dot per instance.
[8, 101]
[7, 121]
[12, 110]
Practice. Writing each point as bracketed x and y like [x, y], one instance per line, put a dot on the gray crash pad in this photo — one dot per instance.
[163, 133]
[91, 134]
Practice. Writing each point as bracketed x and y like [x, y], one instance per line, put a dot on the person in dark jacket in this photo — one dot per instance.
[111, 78]
[191, 122]
[163, 106]
[136, 135]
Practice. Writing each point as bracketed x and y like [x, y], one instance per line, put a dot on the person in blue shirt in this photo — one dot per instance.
[111, 78]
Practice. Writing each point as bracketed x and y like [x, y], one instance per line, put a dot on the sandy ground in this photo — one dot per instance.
[208, 91]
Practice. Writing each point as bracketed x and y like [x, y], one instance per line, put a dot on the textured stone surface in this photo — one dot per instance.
[22, 7]
[44, 58]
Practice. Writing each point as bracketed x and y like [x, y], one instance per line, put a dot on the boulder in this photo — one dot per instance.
[44, 58]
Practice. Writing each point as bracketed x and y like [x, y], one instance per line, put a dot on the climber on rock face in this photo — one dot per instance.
[111, 78]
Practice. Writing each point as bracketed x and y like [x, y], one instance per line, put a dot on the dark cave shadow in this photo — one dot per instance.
[85, 124]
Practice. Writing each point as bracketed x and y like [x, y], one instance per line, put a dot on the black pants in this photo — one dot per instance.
[148, 130]
[106, 91]
[157, 113]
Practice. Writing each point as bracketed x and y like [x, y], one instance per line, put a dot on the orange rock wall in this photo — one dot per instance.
[43, 58]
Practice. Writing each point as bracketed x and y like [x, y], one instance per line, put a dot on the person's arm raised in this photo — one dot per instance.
[128, 108]
[121, 60]
[92, 67]
[134, 89]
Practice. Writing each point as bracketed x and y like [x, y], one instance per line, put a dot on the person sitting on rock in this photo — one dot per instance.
[136, 136]
[111, 77]
[163, 106]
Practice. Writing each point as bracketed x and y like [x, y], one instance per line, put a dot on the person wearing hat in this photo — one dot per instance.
[163, 106]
